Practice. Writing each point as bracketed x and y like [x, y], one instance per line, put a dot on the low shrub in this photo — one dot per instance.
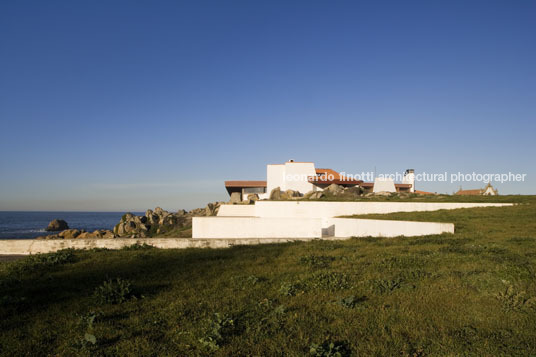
[245, 282]
[513, 300]
[330, 349]
[113, 291]
[41, 262]
[137, 246]
[290, 289]
[220, 328]
[317, 261]
[351, 301]
[383, 286]
[331, 281]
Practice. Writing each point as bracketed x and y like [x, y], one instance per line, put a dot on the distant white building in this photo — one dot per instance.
[304, 177]
[486, 191]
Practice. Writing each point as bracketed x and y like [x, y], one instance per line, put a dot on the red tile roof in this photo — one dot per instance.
[403, 185]
[245, 183]
[329, 176]
[469, 192]
[424, 192]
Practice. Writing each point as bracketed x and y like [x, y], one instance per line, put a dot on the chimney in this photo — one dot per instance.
[409, 178]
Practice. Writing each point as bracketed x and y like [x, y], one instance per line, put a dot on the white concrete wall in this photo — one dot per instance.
[384, 185]
[297, 176]
[237, 210]
[255, 227]
[33, 246]
[275, 177]
[409, 178]
[333, 209]
[349, 227]
[290, 176]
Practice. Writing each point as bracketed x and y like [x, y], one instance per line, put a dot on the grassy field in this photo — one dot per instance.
[471, 293]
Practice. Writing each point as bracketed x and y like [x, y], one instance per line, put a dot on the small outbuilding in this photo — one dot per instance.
[486, 191]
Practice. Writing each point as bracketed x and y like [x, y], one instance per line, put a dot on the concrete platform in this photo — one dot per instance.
[301, 227]
[326, 209]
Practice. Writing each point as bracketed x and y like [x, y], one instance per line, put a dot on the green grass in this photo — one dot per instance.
[471, 293]
[412, 197]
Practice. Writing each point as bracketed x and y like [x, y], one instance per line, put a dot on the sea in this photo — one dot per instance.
[28, 225]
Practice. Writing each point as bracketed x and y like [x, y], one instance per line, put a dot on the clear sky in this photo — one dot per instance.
[126, 105]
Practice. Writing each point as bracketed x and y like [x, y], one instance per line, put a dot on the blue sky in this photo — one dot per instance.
[126, 105]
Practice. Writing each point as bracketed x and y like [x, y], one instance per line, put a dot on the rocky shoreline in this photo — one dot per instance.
[161, 223]
[157, 222]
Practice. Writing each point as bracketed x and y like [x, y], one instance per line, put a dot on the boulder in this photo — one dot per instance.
[334, 189]
[275, 194]
[212, 209]
[316, 195]
[236, 197]
[57, 225]
[70, 233]
[85, 235]
[353, 191]
[292, 193]
[252, 197]
[108, 234]
[155, 222]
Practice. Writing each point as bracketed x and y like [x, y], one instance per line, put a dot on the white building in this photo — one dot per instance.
[304, 177]
[486, 191]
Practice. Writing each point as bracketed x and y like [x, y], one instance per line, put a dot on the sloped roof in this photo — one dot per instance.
[469, 192]
[424, 192]
[329, 176]
[245, 183]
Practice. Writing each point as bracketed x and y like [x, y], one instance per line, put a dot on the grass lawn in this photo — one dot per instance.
[471, 293]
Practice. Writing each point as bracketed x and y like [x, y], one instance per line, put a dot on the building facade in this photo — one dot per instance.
[304, 178]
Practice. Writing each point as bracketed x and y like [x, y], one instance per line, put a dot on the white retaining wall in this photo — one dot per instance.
[255, 227]
[321, 209]
[237, 210]
[349, 227]
[35, 246]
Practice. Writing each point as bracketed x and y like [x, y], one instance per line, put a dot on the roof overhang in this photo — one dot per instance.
[245, 183]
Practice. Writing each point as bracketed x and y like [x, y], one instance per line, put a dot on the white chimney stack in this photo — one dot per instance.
[409, 178]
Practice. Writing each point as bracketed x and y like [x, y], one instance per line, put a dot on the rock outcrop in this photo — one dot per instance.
[235, 197]
[292, 194]
[276, 194]
[353, 191]
[160, 221]
[334, 189]
[151, 224]
[316, 195]
[252, 197]
[80, 234]
[57, 225]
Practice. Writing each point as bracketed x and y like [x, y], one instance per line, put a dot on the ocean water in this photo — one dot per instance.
[32, 224]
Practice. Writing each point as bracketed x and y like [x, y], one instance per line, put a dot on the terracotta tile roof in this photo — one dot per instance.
[397, 185]
[245, 183]
[424, 192]
[329, 176]
[469, 192]
[403, 185]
